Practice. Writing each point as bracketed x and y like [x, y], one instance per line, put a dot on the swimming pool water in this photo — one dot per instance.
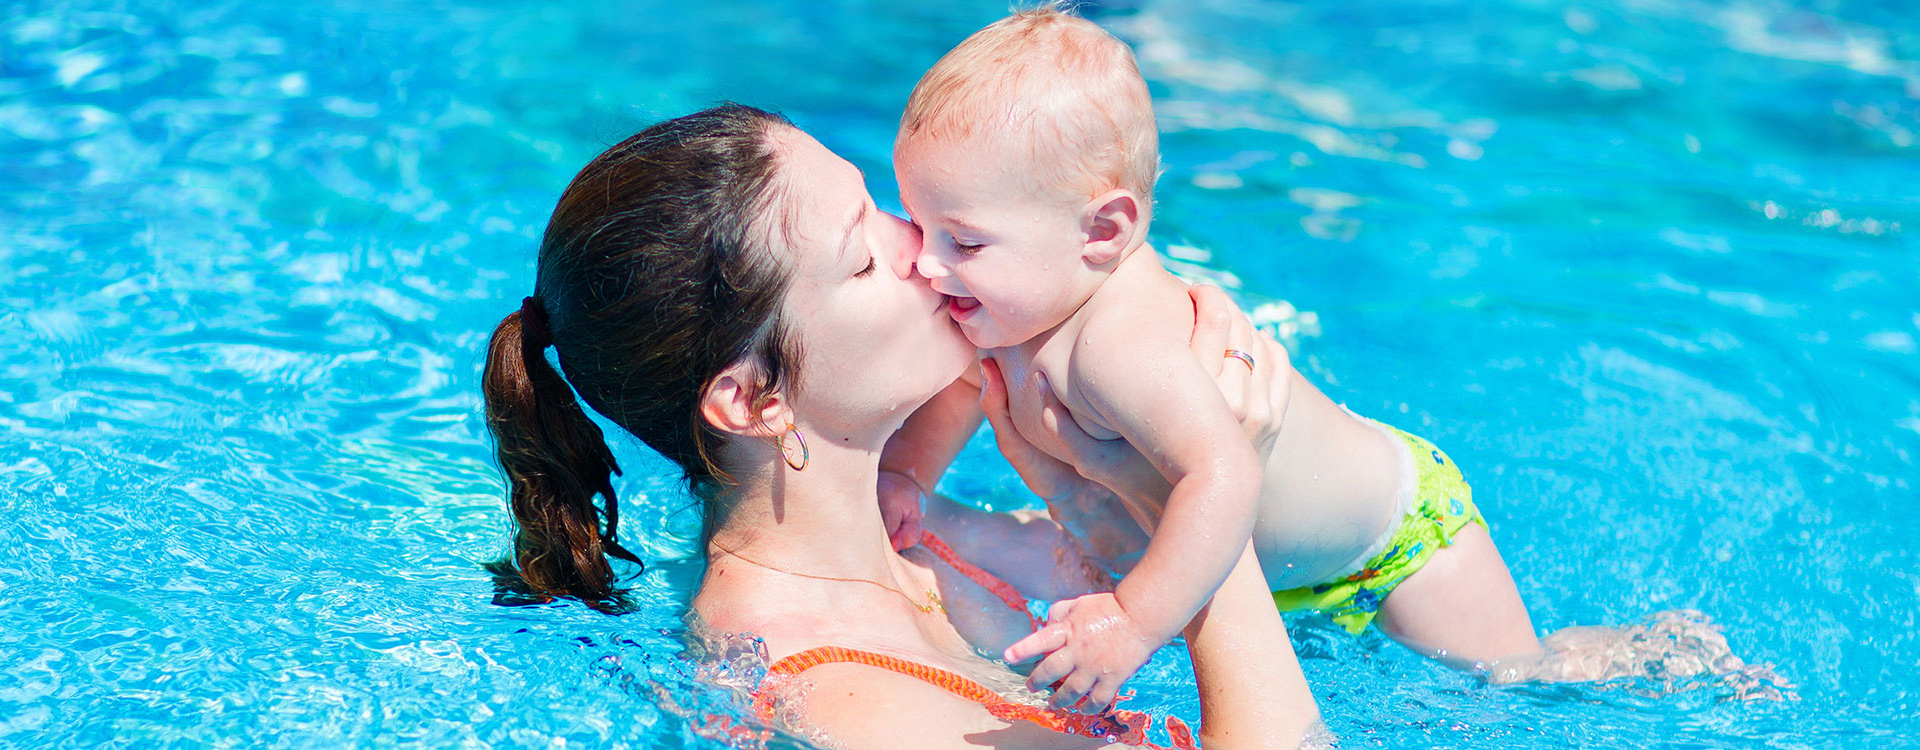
[1645, 269]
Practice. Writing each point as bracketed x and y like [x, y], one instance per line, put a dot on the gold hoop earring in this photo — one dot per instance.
[787, 453]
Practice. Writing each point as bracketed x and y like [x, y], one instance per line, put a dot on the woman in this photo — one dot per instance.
[722, 286]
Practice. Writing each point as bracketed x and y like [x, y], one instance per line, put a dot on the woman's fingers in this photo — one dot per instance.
[1241, 335]
[1256, 377]
[993, 401]
[1254, 406]
[993, 390]
[1219, 328]
[1213, 316]
[1080, 447]
[1274, 386]
[1044, 474]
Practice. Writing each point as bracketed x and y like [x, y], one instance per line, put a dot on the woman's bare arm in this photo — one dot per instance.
[1252, 693]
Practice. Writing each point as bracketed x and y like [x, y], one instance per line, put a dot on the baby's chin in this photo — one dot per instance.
[989, 338]
[979, 341]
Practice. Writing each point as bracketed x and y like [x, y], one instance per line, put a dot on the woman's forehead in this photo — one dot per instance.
[824, 194]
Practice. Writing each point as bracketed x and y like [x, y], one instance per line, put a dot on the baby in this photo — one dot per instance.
[1027, 156]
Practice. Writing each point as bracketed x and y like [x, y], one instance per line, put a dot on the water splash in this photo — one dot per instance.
[1674, 651]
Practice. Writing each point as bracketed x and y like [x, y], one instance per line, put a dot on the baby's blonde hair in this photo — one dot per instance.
[1059, 81]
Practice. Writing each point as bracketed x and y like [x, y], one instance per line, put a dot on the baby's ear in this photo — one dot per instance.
[1110, 222]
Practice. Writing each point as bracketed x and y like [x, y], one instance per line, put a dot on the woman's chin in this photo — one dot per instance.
[962, 349]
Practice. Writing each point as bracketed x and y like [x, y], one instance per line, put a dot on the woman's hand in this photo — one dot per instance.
[1093, 513]
[1047, 476]
[1257, 392]
[902, 504]
[1257, 395]
[1113, 464]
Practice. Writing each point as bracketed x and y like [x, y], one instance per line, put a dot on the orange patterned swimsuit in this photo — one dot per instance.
[1119, 725]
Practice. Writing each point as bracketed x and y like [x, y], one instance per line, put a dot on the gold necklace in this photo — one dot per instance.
[932, 595]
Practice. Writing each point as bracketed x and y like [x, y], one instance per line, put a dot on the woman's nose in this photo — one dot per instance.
[907, 242]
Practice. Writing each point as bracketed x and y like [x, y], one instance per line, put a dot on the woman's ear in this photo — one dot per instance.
[1110, 222]
[735, 403]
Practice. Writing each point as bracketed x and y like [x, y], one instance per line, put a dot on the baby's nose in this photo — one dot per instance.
[929, 266]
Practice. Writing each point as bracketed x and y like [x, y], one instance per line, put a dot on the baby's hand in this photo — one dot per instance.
[900, 509]
[1093, 648]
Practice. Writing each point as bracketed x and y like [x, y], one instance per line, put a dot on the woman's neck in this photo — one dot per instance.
[823, 520]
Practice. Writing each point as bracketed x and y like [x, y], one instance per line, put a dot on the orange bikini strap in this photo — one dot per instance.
[1007, 593]
[1122, 725]
[1118, 724]
[943, 679]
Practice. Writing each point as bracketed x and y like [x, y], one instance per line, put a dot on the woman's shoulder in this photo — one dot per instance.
[790, 615]
[741, 599]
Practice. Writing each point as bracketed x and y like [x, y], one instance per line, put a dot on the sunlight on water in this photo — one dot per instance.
[1645, 269]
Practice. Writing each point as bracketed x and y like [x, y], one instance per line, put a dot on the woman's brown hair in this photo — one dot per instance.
[655, 274]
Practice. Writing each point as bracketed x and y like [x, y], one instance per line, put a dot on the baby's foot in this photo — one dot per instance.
[1676, 649]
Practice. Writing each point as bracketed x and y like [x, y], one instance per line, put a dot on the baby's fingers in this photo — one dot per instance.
[1046, 640]
[1101, 696]
[1050, 670]
[1071, 690]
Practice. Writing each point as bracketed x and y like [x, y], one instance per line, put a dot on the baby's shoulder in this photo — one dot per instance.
[1130, 318]
[1144, 294]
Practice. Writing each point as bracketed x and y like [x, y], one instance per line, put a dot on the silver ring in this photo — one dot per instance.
[1244, 358]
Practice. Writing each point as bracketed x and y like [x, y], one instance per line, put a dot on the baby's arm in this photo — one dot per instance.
[1156, 394]
[1166, 405]
[919, 452]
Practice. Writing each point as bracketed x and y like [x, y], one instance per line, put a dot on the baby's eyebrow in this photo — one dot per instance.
[964, 226]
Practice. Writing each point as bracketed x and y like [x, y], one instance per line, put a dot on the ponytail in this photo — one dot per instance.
[656, 272]
[556, 460]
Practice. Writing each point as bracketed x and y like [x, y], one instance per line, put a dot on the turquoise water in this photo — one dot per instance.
[1645, 269]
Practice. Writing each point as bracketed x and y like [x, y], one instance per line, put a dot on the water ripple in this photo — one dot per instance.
[1645, 269]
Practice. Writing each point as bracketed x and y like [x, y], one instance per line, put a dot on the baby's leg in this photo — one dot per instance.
[1462, 606]
[1673, 651]
[1463, 609]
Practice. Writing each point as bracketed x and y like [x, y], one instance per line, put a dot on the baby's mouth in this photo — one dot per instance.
[961, 308]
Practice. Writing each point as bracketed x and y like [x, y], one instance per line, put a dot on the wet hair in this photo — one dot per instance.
[1065, 88]
[655, 274]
